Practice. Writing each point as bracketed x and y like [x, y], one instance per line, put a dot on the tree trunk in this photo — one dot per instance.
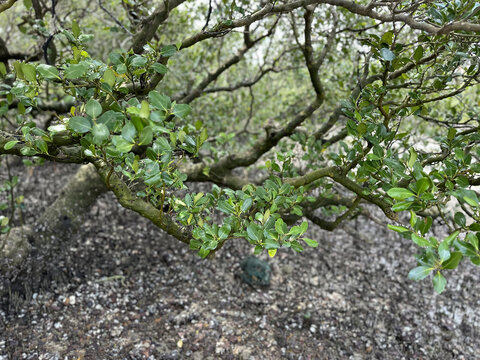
[28, 251]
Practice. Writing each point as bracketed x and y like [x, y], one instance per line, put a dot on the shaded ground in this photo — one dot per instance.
[125, 290]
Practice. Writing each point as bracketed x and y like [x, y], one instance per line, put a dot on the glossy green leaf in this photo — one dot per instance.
[460, 219]
[10, 144]
[399, 193]
[79, 124]
[420, 241]
[453, 260]
[419, 273]
[439, 282]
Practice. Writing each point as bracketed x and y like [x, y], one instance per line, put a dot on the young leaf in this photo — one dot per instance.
[10, 144]
[75, 29]
[310, 242]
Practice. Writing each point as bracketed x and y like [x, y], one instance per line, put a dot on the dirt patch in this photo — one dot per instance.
[125, 290]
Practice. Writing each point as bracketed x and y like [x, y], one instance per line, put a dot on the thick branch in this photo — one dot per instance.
[6, 5]
[129, 200]
[151, 24]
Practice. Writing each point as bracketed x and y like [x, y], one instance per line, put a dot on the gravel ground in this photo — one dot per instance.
[124, 290]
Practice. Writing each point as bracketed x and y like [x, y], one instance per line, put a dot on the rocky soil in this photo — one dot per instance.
[122, 289]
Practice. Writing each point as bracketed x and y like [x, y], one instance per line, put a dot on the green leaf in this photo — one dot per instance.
[452, 261]
[160, 101]
[402, 206]
[109, 77]
[254, 232]
[418, 53]
[144, 110]
[10, 144]
[41, 145]
[280, 226]
[181, 110]
[137, 61]
[310, 242]
[18, 70]
[470, 201]
[419, 273]
[168, 50]
[399, 193]
[146, 136]
[93, 108]
[444, 251]
[303, 227]
[79, 124]
[129, 131]
[225, 207]
[399, 229]
[420, 241]
[387, 54]
[75, 29]
[121, 144]
[110, 118]
[450, 238]
[413, 157]
[29, 72]
[48, 72]
[246, 204]
[3, 69]
[224, 231]
[76, 71]
[439, 282]
[422, 185]
[160, 68]
[100, 133]
[460, 219]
